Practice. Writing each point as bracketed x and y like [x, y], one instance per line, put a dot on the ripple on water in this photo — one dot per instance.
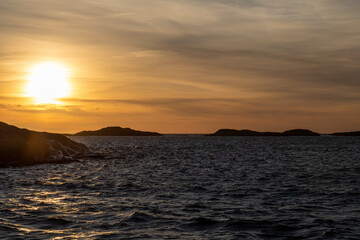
[190, 187]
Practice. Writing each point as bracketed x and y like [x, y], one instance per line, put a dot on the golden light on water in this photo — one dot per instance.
[47, 82]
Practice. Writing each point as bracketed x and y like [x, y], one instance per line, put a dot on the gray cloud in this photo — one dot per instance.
[325, 103]
[303, 52]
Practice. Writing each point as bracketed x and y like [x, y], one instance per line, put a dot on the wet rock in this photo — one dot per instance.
[22, 147]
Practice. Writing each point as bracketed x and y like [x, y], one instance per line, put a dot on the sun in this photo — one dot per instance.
[48, 81]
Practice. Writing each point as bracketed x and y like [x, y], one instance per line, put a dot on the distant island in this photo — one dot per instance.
[250, 133]
[22, 147]
[116, 131]
[347, 134]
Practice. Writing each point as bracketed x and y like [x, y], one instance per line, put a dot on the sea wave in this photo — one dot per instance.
[191, 187]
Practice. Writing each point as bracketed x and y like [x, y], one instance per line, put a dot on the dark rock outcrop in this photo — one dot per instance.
[250, 133]
[22, 147]
[116, 131]
[354, 134]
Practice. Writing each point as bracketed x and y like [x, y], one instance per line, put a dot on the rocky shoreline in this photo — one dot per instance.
[22, 147]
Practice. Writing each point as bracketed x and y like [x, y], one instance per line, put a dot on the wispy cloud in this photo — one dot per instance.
[194, 57]
[44, 108]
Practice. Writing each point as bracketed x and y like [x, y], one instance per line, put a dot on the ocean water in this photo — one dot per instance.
[190, 187]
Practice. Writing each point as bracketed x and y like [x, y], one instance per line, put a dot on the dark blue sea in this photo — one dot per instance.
[189, 187]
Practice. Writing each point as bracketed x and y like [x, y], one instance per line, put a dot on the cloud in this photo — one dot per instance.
[44, 108]
[185, 57]
[293, 103]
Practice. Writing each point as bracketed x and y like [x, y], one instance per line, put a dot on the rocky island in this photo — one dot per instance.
[22, 147]
[116, 131]
[354, 134]
[250, 133]
[300, 132]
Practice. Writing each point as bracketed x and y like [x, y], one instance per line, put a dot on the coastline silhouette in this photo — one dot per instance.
[23, 147]
[116, 131]
[348, 134]
[251, 133]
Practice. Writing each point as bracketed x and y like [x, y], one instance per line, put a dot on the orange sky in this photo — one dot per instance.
[185, 66]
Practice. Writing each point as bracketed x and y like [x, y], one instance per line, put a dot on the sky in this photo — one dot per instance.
[185, 66]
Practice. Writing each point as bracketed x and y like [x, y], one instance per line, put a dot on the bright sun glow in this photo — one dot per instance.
[47, 82]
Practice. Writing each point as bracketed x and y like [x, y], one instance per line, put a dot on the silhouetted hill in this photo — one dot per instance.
[294, 132]
[300, 132]
[244, 132]
[347, 134]
[22, 147]
[116, 131]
